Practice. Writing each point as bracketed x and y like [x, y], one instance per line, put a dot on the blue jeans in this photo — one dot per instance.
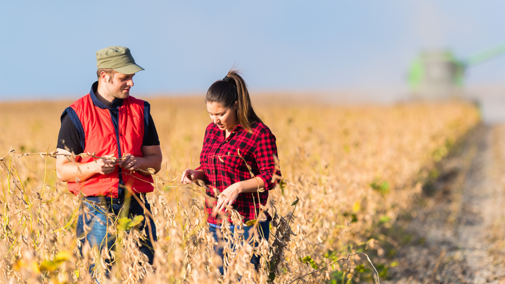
[218, 237]
[93, 214]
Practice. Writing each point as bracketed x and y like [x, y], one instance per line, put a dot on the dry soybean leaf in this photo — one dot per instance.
[48, 265]
[18, 265]
[250, 223]
[62, 256]
[356, 207]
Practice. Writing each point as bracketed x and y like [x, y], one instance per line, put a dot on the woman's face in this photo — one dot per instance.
[225, 118]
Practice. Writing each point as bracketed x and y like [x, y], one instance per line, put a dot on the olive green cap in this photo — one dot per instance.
[118, 58]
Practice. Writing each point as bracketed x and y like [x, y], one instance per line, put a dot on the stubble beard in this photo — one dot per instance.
[121, 95]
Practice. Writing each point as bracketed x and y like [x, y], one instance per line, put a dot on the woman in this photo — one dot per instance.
[235, 137]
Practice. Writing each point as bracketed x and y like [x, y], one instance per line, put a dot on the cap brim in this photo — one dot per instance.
[130, 69]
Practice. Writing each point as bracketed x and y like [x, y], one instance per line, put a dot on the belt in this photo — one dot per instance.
[111, 200]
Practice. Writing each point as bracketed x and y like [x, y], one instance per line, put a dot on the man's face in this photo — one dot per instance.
[119, 86]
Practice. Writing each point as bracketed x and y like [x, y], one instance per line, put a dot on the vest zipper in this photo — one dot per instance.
[116, 128]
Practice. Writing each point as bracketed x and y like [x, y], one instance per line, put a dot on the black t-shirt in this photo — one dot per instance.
[69, 138]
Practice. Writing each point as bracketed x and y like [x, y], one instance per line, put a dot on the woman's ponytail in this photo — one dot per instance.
[230, 90]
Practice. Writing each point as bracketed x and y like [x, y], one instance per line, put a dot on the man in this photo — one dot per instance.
[118, 132]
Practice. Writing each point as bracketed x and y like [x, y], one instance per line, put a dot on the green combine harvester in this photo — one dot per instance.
[440, 75]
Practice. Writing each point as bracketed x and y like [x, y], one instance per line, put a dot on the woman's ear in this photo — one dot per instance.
[235, 106]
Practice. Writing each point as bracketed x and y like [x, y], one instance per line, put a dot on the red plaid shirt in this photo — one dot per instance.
[220, 160]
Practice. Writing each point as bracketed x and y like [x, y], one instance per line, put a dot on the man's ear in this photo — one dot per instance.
[104, 77]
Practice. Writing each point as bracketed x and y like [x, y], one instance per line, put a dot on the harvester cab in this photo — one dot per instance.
[438, 74]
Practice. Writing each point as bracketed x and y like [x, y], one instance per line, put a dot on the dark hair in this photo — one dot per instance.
[230, 90]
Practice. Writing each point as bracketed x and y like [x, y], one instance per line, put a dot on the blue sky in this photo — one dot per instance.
[47, 48]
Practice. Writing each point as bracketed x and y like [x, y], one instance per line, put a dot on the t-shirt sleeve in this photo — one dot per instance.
[69, 138]
[152, 135]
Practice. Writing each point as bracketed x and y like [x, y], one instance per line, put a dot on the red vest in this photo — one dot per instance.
[99, 137]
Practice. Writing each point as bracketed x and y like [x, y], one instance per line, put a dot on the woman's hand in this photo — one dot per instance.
[227, 197]
[230, 194]
[188, 176]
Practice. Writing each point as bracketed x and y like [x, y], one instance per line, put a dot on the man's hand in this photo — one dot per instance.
[104, 166]
[130, 162]
[69, 170]
[151, 160]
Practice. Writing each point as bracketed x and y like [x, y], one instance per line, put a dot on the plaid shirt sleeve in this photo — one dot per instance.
[264, 153]
[200, 167]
